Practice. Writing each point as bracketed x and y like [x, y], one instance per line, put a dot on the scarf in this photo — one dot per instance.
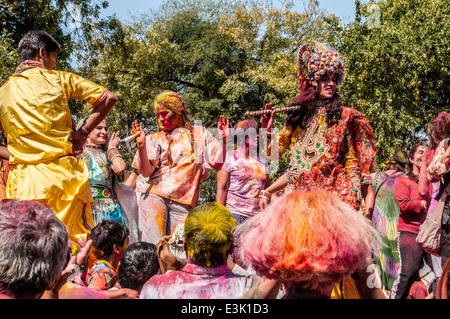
[28, 64]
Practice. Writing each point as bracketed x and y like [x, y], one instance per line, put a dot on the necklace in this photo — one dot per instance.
[97, 147]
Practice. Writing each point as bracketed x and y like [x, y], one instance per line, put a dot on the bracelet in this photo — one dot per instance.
[114, 156]
[264, 196]
[112, 153]
[83, 131]
[111, 148]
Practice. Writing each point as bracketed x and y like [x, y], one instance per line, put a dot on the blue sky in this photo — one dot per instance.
[344, 9]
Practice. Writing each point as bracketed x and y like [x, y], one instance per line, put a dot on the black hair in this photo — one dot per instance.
[105, 235]
[411, 153]
[138, 264]
[33, 41]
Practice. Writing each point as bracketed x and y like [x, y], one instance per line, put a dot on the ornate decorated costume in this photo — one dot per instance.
[333, 158]
[35, 116]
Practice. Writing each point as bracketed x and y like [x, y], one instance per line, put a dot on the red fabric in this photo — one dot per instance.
[406, 194]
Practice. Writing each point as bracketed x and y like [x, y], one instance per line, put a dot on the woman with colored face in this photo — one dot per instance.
[244, 174]
[104, 162]
[170, 165]
[413, 211]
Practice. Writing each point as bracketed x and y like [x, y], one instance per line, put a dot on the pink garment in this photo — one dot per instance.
[196, 282]
[247, 178]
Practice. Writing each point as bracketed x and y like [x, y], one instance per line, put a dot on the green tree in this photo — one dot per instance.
[398, 72]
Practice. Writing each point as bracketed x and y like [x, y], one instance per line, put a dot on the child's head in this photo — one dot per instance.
[108, 237]
[138, 264]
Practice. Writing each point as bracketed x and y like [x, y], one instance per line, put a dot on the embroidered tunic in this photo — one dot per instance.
[334, 158]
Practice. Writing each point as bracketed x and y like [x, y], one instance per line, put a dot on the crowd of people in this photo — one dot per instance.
[333, 226]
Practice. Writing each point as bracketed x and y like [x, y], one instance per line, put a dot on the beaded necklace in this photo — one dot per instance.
[97, 147]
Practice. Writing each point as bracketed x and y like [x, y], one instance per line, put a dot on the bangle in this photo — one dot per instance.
[265, 193]
[111, 148]
[114, 156]
[112, 153]
[264, 196]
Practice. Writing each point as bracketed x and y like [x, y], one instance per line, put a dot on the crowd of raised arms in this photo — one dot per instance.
[333, 225]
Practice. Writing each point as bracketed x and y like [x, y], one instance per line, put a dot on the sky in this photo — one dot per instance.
[125, 10]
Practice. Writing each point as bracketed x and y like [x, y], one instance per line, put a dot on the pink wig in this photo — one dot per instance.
[308, 240]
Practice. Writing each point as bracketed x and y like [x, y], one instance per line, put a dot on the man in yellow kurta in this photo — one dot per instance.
[35, 115]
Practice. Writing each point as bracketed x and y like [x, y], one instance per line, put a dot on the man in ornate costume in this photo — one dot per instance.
[332, 147]
[35, 115]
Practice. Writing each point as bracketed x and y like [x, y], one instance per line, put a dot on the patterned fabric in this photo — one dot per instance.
[196, 282]
[28, 64]
[333, 158]
[100, 180]
[385, 218]
[35, 115]
[247, 178]
[437, 167]
[101, 276]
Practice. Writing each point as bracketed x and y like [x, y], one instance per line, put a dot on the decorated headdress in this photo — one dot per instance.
[316, 61]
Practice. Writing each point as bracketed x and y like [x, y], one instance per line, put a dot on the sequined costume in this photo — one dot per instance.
[334, 158]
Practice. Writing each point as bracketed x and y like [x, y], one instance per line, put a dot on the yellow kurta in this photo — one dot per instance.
[35, 116]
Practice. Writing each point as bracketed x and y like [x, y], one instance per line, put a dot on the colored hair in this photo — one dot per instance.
[208, 234]
[34, 248]
[138, 264]
[105, 235]
[307, 240]
[33, 41]
[399, 159]
[174, 102]
[436, 130]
